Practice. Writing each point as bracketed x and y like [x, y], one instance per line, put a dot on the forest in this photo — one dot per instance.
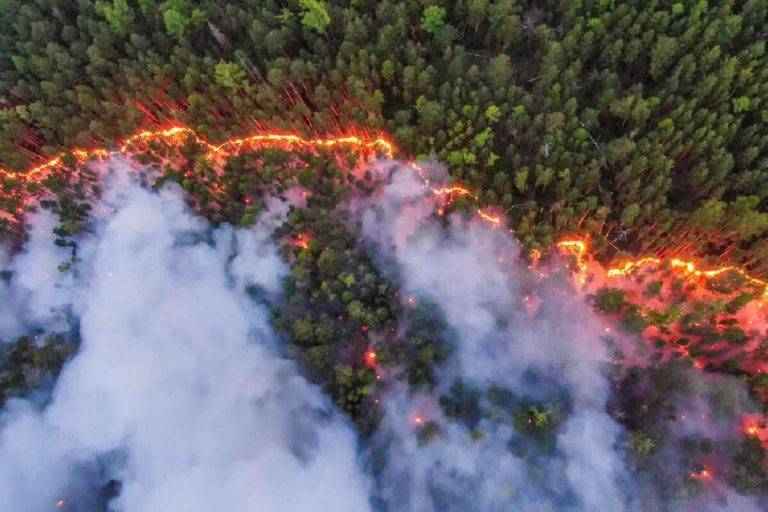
[641, 124]
[638, 126]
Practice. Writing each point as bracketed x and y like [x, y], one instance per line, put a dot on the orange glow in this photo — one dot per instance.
[578, 248]
[686, 268]
[178, 134]
[701, 474]
[370, 357]
[631, 266]
[455, 190]
[489, 218]
[753, 430]
[302, 240]
[418, 421]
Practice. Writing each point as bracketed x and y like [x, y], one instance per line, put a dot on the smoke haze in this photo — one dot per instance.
[180, 394]
[176, 391]
[470, 270]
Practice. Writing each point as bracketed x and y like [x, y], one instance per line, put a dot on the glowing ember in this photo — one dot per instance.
[302, 240]
[686, 268]
[178, 134]
[456, 191]
[370, 357]
[489, 218]
[292, 142]
[418, 421]
[753, 430]
[701, 473]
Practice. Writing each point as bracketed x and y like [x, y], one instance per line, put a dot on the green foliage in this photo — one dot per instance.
[602, 116]
[642, 444]
[229, 75]
[388, 70]
[534, 420]
[424, 347]
[433, 20]
[27, 364]
[119, 15]
[740, 104]
[463, 404]
[428, 432]
[314, 15]
[493, 113]
[609, 300]
[633, 319]
[749, 474]
[654, 288]
[629, 214]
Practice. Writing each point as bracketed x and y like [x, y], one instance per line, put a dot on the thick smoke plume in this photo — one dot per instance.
[470, 270]
[534, 337]
[177, 391]
[179, 398]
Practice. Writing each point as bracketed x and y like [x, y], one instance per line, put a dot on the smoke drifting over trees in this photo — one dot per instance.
[490, 388]
[178, 391]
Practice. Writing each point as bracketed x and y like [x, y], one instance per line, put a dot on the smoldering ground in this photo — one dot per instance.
[523, 340]
[177, 390]
[179, 397]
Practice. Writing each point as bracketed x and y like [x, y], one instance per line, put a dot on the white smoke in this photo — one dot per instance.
[469, 269]
[531, 334]
[177, 390]
[180, 393]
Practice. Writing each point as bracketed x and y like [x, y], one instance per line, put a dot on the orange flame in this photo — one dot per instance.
[370, 357]
[302, 240]
[291, 141]
[489, 218]
[687, 268]
[701, 474]
[230, 147]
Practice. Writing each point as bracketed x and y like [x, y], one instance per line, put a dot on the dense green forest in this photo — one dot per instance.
[641, 123]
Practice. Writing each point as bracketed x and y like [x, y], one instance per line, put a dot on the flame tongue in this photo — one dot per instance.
[291, 142]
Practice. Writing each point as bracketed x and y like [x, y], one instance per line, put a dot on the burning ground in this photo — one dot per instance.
[172, 361]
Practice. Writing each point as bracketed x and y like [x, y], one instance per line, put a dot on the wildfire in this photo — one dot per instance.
[686, 268]
[578, 248]
[177, 134]
[632, 266]
[302, 240]
[453, 191]
[370, 357]
[701, 473]
[489, 218]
